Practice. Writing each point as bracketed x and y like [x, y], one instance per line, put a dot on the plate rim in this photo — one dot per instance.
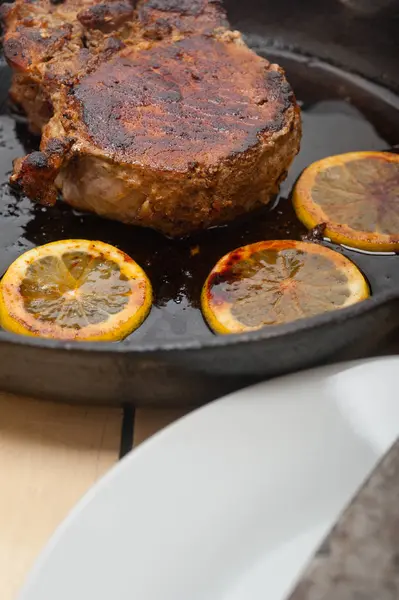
[117, 470]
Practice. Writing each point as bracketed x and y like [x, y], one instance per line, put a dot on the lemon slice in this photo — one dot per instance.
[356, 195]
[74, 290]
[270, 283]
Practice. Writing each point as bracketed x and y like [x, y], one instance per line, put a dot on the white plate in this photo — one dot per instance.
[230, 502]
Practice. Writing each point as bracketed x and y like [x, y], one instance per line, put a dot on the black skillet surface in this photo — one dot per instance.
[173, 358]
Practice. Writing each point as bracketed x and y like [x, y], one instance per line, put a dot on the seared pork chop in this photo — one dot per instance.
[164, 118]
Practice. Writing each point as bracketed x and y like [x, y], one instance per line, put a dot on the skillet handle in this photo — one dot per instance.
[360, 558]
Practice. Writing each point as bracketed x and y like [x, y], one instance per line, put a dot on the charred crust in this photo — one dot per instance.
[106, 16]
[183, 7]
[47, 38]
[36, 173]
[57, 147]
[15, 52]
[278, 88]
[34, 177]
[157, 105]
[113, 44]
[30, 44]
[188, 16]
[36, 161]
[157, 30]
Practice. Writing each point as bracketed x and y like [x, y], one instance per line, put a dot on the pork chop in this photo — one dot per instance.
[162, 118]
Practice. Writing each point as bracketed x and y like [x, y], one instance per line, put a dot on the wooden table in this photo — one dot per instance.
[50, 455]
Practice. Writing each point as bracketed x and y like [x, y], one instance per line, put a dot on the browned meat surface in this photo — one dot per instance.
[47, 45]
[160, 116]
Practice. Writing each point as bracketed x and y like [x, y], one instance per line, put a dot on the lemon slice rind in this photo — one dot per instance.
[218, 313]
[15, 318]
[312, 214]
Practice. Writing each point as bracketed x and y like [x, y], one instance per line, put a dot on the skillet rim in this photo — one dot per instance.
[217, 341]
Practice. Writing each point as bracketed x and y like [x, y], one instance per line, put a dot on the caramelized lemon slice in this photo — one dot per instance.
[356, 195]
[74, 290]
[270, 283]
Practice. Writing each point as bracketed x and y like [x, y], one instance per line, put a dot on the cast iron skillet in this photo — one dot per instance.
[341, 57]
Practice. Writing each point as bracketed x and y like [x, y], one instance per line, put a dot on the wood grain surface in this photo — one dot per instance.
[50, 455]
[149, 421]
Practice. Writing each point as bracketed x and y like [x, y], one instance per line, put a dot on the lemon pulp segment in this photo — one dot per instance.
[356, 195]
[274, 282]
